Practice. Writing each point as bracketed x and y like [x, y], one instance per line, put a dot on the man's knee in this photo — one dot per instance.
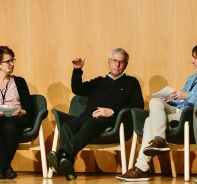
[156, 103]
[92, 128]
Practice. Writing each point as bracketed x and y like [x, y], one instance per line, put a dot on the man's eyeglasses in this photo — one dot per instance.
[115, 61]
[9, 61]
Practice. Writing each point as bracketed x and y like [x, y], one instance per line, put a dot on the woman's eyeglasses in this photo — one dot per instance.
[9, 61]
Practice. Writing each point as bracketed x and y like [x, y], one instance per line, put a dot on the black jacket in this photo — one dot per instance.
[25, 98]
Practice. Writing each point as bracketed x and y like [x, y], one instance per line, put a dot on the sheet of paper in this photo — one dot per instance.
[164, 93]
[8, 111]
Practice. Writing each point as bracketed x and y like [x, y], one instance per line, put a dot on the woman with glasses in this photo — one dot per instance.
[16, 111]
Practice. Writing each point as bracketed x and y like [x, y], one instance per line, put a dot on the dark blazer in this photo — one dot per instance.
[25, 98]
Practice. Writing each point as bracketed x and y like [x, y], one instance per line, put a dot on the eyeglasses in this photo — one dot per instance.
[9, 61]
[115, 61]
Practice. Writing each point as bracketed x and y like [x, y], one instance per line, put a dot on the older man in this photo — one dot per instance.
[107, 96]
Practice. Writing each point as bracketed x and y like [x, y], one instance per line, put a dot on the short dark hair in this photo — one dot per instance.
[5, 50]
[194, 52]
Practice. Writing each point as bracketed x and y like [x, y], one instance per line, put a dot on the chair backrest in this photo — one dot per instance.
[176, 134]
[40, 113]
[195, 123]
[40, 103]
[173, 135]
[77, 105]
[139, 116]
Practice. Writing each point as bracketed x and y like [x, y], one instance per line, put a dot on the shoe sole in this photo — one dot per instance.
[66, 169]
[132, 179]
[137, 179]
[53, 161]
[12, 175]
[154, 151]
[2, 177]
[119, 178]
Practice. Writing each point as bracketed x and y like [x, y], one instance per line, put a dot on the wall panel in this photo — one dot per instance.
[47, 34]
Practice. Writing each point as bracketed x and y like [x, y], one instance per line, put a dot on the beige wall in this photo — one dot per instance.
[47, 34]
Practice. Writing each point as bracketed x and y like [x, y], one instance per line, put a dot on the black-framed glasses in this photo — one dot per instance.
[9, 61]
[115, 61]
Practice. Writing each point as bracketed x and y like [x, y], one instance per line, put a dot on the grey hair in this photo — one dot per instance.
[119, 50]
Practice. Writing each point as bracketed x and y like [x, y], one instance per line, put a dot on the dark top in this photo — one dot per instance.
[25, 98]
[118, 94]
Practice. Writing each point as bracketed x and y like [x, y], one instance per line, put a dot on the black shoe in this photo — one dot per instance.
[54, 160]
[65, 155]
[66, 168]
[2, 176]
[10, 173]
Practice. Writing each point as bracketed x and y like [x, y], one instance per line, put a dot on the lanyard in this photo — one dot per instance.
[193, 84]
[3, 94]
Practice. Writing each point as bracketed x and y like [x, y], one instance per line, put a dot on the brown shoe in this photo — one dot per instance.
[156, 148]
[134, 174]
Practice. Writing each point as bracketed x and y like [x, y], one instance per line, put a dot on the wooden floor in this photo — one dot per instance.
[84, 178]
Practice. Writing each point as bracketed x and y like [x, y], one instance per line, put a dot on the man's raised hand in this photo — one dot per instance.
[78, 62]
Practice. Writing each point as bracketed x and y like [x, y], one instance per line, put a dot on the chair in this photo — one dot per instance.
[179, 138]
[113, 138]
[30, 134]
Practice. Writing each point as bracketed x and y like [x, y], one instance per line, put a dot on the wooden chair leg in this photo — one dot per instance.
[45, 181]
[54, 148]
[133, 150]
[122, 148]
[186, 152]
[43, 152]
[173, 166]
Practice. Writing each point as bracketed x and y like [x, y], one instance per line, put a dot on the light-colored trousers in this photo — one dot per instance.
[156, 124]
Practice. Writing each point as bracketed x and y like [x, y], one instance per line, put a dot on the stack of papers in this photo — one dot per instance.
[164, 93]
[8, 111]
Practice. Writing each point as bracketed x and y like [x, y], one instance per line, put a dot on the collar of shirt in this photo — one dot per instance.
[109, 75]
